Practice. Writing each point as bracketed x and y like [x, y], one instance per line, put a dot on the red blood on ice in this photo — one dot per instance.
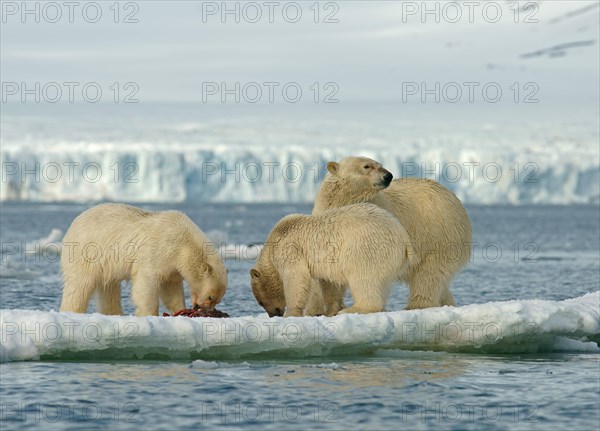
[198, 312]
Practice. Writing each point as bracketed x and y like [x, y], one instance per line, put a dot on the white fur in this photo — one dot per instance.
[155, 250]
[361, 247]
[435, 219]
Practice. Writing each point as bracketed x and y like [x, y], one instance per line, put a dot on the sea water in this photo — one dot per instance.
[348, 373]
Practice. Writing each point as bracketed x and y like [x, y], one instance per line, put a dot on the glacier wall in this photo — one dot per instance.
[285, 175]
[169, 160]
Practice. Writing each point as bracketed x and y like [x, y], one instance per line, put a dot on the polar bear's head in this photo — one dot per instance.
[350, 181]
[360, 173]
[268, 291]
[209, 286]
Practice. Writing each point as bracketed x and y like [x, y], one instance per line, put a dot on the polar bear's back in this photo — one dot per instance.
[354, 237]
[126, 221]
[366, 230]
[123, 233]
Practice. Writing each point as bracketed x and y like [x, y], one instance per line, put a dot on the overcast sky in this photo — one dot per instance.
[373, 48]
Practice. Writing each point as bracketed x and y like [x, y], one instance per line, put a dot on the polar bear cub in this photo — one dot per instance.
[361, 247]
[110, 243]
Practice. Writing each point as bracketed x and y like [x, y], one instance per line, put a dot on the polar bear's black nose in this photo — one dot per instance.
[388, 177]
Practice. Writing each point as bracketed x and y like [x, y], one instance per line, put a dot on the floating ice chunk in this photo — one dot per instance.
[495, 327]
[49, 245]
[238, 252]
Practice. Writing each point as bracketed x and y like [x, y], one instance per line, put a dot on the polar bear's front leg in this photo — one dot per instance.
[333, 295]
[109, 298]
[315, 305]
[296, 288]
[447, 298]
[144, 294]
[171, 293]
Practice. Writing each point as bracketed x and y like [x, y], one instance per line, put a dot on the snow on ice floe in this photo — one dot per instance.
[495, 327]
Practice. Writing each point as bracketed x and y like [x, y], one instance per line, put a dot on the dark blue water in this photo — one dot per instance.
[520, 253]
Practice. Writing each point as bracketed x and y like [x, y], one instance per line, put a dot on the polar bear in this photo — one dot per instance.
[435, 219]
[361, 247]
[155, 250]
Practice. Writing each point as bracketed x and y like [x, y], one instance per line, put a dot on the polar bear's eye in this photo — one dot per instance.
[366, 166]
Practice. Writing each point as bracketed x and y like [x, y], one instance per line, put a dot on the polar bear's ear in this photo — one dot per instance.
[254, 273]
[207, 268]
[332, 167]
